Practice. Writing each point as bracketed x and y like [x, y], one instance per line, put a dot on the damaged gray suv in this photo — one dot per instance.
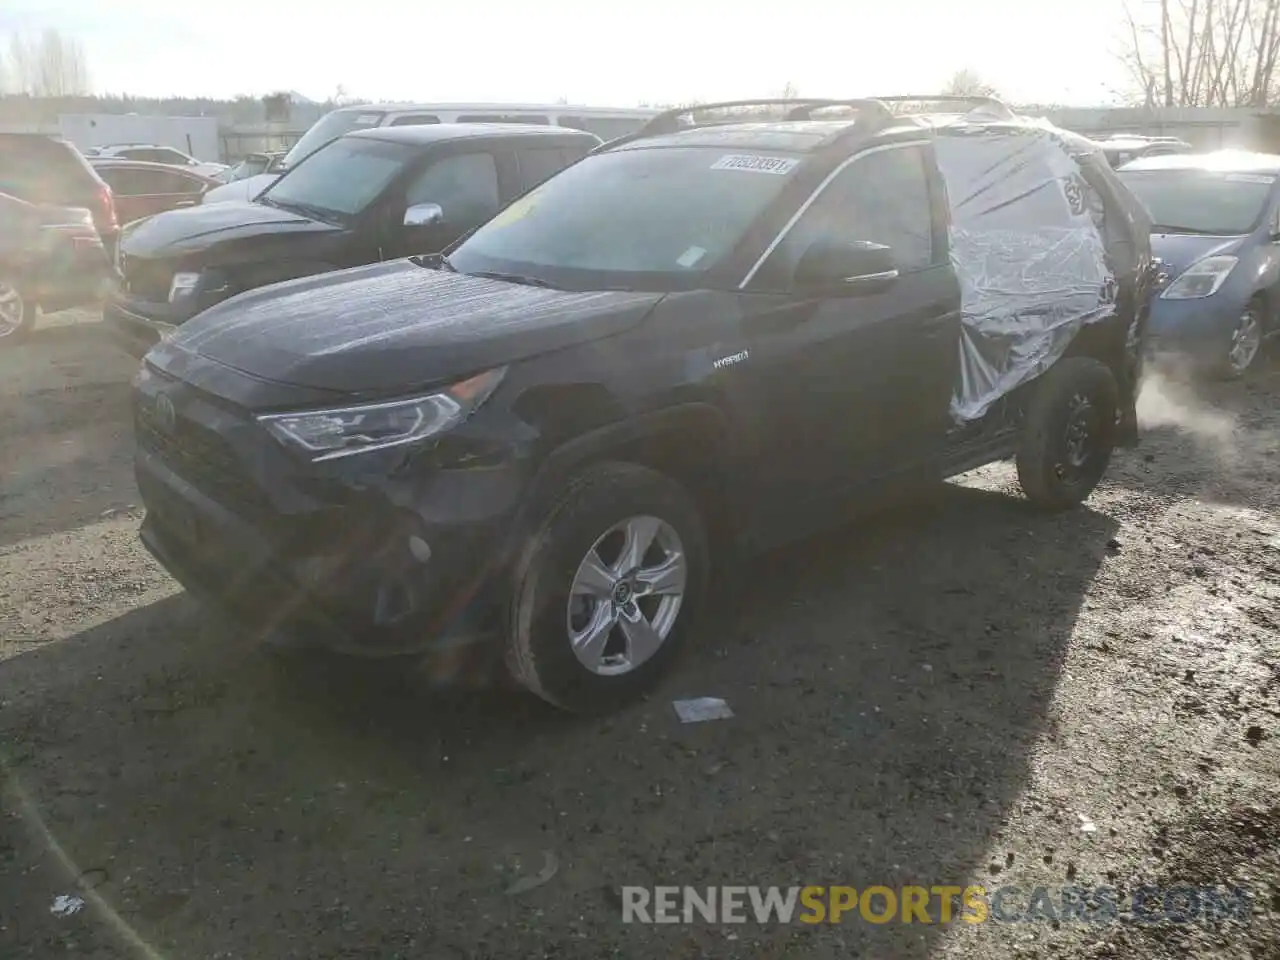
[712, 335]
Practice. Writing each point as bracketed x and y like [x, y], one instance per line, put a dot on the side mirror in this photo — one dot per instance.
[846, 269]
[424, 215]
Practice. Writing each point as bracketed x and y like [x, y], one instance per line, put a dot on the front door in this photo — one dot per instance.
[854, 389]
[468, 187]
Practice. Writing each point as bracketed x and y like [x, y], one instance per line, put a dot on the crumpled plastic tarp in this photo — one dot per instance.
[1028, 246]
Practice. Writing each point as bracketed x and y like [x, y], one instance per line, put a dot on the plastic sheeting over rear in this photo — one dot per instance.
[1029, 244]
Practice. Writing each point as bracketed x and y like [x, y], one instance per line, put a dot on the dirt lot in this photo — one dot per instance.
[954, 693]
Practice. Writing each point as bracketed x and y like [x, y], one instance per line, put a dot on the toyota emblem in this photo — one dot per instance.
[166, 416]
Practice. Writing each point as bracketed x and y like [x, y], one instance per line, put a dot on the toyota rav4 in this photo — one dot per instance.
[714, 335]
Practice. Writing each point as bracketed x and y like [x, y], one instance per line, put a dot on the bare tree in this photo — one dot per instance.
[49, 66]
[966, 83]
[1203, 53]
[789, 91]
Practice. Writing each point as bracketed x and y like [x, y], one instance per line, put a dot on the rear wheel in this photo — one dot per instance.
[17, 313]
[1069, 433]
[607, 592]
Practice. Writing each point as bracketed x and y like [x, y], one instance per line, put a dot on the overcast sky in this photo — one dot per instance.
[594, 52]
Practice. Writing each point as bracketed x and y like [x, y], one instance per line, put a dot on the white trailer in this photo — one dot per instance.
[195, 136]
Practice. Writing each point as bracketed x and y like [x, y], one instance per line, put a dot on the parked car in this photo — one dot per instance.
[142, 189]
[604, 122]
[1119, 149]
[51, 258]
[1217, 235]
[703, 338]
[374, 195]
[255, 164]
[50, 170]
[155, 153]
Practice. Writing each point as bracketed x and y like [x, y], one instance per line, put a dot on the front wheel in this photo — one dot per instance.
[607, 592]
[1246, 341]
[17, 313]
[1069, 433]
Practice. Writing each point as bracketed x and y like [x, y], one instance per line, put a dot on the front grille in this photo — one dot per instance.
[146, 279]
[203, 459]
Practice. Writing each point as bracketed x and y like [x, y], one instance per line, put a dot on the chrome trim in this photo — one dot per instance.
[804, 207]
[872, 277]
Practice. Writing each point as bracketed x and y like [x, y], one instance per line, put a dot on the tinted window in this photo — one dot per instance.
[414, 119]
[155, 155]
[465, 186]
[340, 179]
[882, 197]
[42, 169]
[1194, 201]
[136, 182]
[539, 165]
[606, 128]
[660, 211]
[502, 118]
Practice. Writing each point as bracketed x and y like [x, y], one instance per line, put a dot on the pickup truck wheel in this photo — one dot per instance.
[1069, 433]
[608, 589]
[17, 313]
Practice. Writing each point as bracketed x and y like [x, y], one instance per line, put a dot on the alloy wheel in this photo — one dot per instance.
[1077, 446]
[1246, 341]
[12, 309]
[626, 595]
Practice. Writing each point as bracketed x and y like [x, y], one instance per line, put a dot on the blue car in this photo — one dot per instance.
[1216, 232]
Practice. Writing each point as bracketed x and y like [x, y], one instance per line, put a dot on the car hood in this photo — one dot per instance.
[242, 190]
[177, 233]
[1177, 251]
[392, 326]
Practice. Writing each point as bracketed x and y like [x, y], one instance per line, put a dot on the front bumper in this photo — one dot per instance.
[363, 559]
[1191, 332]
[132, 332]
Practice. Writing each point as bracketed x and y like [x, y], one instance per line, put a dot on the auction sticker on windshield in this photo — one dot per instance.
[778, 165]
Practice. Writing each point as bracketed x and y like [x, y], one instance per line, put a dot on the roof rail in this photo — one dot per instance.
[991, 103]
[801, 107]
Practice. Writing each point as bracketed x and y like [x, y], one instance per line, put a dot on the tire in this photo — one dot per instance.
[17, 313]
[1246, 343]
[1058, 471]
[540, 654]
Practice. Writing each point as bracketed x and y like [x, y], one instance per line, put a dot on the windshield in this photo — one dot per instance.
[664, 212]
[340, 180]
[1196, 201]
[330, 127]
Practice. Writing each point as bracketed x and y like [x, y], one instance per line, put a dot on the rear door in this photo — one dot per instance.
[537, 163]
[851, 390]
[144, 191]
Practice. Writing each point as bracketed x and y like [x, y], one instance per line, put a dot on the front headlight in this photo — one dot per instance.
[183, 285]
[343, 431]
[1202, 279]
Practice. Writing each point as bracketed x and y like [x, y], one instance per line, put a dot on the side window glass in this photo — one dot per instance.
[539, 165]
[173, 182]
[414, 119]
[464, 185]
[882, 197]
[128, 182]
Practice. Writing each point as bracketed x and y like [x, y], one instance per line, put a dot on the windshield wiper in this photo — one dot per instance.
[512, 278]
[1190, 231]
[434, 261]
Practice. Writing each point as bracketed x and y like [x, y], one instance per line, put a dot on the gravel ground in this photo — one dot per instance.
[959, 692]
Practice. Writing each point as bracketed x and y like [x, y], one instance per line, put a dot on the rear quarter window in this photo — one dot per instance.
[43, 170]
